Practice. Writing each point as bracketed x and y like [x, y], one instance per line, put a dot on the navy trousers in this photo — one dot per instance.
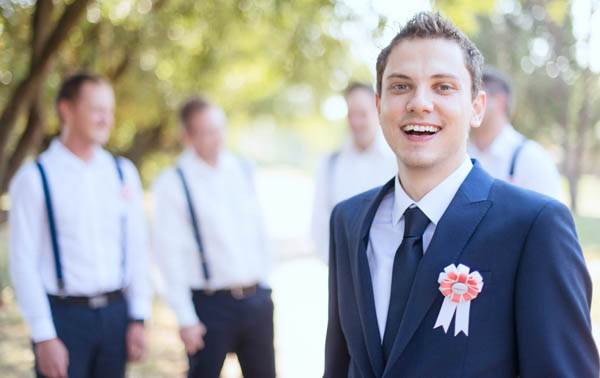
[240, 326]
[95, 338]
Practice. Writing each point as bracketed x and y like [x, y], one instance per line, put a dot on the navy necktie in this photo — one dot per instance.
[406, 261]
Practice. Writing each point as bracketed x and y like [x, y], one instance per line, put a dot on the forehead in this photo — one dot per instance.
[426, 57]
[96, 91]
[360, 96]
[208, 117]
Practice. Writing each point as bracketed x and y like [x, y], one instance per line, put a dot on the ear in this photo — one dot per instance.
[478, 107]
[64, 109]
[378, 106]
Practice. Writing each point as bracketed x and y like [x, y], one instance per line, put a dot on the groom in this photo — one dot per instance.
[519, 302]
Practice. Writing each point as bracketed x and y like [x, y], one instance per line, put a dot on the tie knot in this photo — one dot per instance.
[415, 222]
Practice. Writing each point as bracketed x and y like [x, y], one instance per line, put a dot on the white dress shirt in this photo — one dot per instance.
[88, 202]
[534, 168]
[230, 223]
[353, 172]
[387, 232]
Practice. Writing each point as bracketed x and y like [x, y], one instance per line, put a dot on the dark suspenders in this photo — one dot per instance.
[52, 224]
[54, 234]
[513, 161]
[194, 219]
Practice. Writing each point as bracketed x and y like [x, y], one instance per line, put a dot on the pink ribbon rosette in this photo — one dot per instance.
[459, 288]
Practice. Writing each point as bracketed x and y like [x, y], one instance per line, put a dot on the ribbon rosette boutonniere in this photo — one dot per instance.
[459, 288]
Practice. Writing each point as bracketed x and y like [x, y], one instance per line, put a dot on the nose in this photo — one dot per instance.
[420, 102]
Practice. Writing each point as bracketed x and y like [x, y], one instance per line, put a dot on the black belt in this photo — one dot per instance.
[239, 292]
[93, 302]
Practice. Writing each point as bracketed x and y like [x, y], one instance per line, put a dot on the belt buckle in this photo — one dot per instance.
[237, 292]
[98, 301]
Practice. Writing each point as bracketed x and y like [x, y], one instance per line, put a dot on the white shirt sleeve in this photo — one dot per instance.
[27, 220]
[169, 220]
[321, 211]
[140, 289]
[535, 170]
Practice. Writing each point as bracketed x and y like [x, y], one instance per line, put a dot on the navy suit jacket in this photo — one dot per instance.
[532, 317]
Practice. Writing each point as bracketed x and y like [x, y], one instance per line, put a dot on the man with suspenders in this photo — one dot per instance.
[78, 243]
[504, 152]
[362, 163]
[210, 243]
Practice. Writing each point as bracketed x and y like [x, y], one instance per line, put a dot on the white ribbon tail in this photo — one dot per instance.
[446, 313]
[461, 323]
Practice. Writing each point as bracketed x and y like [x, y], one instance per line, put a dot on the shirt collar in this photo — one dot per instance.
[58, 149]
[190, 159]
[434, 203]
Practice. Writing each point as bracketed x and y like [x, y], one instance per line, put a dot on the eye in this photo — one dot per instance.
[400, 86]
[445, 88]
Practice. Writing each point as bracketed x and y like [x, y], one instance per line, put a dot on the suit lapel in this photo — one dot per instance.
[364, 285]
[452, 233]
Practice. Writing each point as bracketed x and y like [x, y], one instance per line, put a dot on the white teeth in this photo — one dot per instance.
[421, 128]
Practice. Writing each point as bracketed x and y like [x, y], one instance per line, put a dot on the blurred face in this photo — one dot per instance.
[90, 117]
[426, 105]
[495, 108]
[205, 133]
[362, 117]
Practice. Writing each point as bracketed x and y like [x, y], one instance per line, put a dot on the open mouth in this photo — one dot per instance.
[420, 130]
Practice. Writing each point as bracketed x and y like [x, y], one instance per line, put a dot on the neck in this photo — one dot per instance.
[210, 160]
[364, 146]
[484, 136]
[83, 149]
[419, 181]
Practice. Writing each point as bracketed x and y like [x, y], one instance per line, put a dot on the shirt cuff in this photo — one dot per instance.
[139, 308]
[42, 329]
[186, 317]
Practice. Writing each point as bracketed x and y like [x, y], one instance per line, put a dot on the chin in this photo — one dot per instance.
[417, 161]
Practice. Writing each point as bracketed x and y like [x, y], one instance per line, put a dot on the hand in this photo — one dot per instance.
[52, 358]
[193, 337]
[136, 342]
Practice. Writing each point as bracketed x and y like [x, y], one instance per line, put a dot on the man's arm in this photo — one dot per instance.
[170, 231]
[139, 292]
[552, 300]
[138, 247]
[26, 222]
[337, 359]
[319, 229]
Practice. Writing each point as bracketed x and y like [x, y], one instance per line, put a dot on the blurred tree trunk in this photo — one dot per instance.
[45, 47]
[32, 136]
[581, 132]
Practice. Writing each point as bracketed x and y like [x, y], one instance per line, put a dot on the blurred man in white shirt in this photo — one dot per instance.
[505, 153]
[78, 243]
[210, 243]
[362, 163]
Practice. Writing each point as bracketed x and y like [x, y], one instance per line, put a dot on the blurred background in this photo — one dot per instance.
[277, 68]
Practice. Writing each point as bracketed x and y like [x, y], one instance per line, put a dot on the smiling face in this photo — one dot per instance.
[426, 105]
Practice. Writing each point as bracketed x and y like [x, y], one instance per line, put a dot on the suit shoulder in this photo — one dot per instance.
[349, 208]
[520, 200]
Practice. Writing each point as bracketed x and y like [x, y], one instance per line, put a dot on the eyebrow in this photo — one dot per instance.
[436, 76]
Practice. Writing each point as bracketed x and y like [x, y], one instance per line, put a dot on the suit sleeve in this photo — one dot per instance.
[337, 359]
[552, 300]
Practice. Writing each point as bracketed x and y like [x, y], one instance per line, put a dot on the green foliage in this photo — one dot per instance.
[266, 60]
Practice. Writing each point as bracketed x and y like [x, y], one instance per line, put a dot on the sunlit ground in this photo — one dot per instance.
[299, 283]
